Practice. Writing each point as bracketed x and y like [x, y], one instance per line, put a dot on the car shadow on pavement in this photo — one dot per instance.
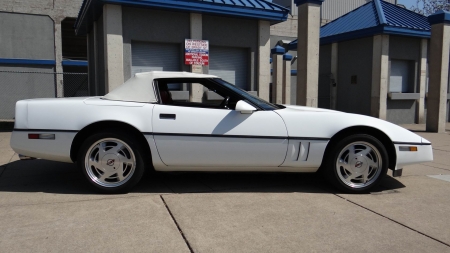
[64, 178]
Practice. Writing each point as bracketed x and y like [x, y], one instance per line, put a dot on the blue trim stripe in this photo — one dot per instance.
[75, 63]
[27, 61]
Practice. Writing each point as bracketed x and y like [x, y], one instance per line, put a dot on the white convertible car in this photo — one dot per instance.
[139, 126]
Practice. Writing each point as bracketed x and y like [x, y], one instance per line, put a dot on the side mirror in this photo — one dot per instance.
[244, 107]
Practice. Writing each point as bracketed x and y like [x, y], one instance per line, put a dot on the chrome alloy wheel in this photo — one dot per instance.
[110, 162]
[359, 164]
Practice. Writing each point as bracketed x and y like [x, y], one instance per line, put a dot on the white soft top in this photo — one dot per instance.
[140, 87]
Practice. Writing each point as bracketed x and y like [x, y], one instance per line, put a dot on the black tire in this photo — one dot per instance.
[356, 175]
[131, 148]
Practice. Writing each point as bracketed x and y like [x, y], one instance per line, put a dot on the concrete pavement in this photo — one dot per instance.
[46, 206]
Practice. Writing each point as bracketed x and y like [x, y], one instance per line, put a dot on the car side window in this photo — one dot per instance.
[200, 93]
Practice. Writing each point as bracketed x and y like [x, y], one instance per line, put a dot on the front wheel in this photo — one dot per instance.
[111, 162]
[357, 163]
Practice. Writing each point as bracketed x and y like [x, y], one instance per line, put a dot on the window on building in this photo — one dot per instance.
[401, 77]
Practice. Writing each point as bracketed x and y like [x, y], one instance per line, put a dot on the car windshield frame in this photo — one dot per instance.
[261, 103]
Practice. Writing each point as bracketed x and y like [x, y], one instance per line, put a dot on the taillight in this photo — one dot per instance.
[41, 136]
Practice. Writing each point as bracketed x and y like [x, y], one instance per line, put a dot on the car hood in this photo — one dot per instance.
[308, 109]
[308, 122]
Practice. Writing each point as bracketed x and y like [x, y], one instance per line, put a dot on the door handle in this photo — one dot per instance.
[167, 116]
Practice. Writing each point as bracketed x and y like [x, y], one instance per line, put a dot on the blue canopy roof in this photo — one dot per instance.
[255, 9]
[375, 17]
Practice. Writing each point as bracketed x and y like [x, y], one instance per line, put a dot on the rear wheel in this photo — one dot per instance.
[357, 163]
[111, 161]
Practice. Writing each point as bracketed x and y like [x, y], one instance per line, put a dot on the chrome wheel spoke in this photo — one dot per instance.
[96, 164]
[116, 149]
[365, 152]
[365, 176]
[372, 164]
[102, 149]
[125, 160]
[106, 175]
[120, 173]
[351, 153]
[345, 165]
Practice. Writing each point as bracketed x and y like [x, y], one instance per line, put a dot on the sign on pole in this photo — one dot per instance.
[196, 52]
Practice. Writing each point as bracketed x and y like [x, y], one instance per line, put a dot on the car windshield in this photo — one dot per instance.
[253, 99]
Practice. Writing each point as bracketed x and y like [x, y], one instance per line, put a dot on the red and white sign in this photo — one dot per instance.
[196, 52]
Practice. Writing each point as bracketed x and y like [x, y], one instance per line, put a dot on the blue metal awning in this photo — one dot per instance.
[375, 17]
[254, 9]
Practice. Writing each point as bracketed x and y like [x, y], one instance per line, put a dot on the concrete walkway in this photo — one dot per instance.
[46, 207]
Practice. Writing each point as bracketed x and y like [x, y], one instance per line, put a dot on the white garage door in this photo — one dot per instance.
[154, 57]
[230, 64]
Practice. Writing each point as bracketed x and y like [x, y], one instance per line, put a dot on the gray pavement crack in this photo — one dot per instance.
[435, 167]
[176, 224]
[397, 222]
[441, 150]
[69, 202]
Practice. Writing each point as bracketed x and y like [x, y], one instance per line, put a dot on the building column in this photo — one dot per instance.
[277, 74]
[439, 57]
[94, 64]
[380, 76]
[308, 52]
[420, 108]
[287, 58]
[263, 59]
[58, 59]
[196, 93]
[112, 23]
[334, 73]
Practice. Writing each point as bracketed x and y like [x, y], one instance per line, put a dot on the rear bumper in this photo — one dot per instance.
[54, 150]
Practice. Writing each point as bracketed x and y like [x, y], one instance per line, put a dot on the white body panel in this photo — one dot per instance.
[315, 122]
[54, 150]
[222, 138]
[424, 154]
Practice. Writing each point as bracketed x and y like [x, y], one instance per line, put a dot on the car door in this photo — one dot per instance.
[208, 134]
[187, 136]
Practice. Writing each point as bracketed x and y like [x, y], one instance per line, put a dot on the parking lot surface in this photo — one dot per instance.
[47, 207]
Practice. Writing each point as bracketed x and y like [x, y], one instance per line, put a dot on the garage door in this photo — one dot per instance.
[154, 57]
[230, 64]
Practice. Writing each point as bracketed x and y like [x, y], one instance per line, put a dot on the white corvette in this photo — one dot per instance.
[139, 126]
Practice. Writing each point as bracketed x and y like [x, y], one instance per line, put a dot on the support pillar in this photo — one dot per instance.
[287, 58]
[334, 75]
[308, 51]
[263, 59]
[58, 59]
[196, 93]
[420, 108]
[277, 74]
[380, 76]
[439, 57]
[112, 22]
